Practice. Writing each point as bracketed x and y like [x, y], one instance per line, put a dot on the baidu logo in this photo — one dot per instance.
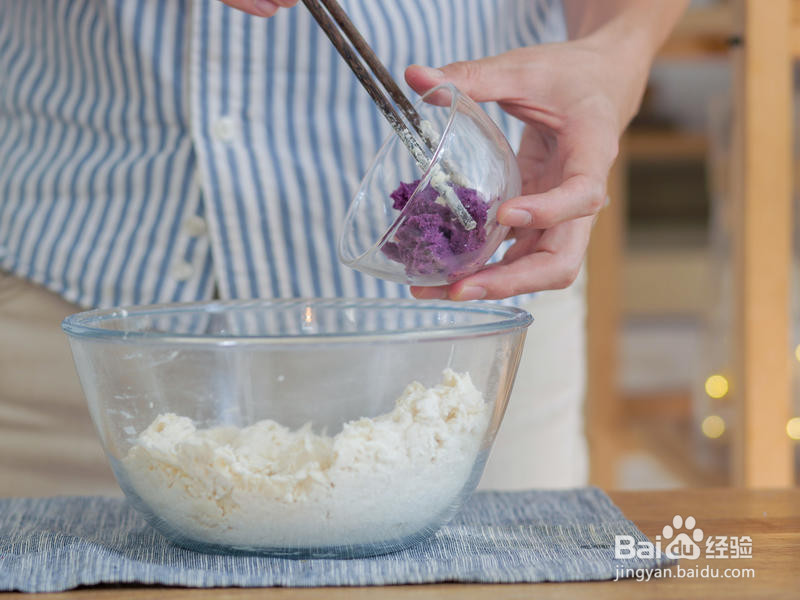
[682, 539]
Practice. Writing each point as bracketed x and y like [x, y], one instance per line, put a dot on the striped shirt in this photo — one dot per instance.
[154, 151]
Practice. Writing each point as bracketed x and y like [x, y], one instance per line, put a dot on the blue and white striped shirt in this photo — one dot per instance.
[152, 150]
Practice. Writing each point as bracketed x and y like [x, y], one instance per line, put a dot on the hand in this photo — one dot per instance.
[575, 102]
[260, 8]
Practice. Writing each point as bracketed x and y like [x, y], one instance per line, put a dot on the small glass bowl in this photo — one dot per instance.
[423, 243]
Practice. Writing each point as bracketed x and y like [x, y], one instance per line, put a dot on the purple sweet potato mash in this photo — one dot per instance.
[431, 239]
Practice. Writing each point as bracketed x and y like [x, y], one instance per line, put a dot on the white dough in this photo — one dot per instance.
[265, 485]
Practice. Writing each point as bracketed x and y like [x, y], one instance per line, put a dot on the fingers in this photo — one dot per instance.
[430, 293]
[552, 264]
[548, 263]
[260, 8]
[587, 150]
[484, 80]
[579, 196]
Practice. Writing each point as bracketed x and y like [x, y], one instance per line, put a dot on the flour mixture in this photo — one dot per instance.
[381, 478]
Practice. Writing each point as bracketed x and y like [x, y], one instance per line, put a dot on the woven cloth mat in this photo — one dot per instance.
[55, 544]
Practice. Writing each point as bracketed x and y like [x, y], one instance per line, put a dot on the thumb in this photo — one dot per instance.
[495, 78]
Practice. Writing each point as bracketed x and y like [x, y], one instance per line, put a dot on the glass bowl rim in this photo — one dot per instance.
[85, 325]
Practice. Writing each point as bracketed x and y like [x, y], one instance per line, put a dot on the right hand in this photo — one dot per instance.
[260, 8]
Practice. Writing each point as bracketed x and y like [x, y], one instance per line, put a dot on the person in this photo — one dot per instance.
[174, 151]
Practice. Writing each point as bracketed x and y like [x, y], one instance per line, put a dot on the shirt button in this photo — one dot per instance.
[182, 270]
[194, 225]
[225, 129]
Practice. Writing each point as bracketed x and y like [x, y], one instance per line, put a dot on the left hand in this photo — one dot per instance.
[575, 102]
[260, 8]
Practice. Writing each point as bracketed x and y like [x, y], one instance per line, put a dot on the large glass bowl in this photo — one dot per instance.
[408, 234]
[274, 426]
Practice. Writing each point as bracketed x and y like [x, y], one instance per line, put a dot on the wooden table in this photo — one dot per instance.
[770, 518]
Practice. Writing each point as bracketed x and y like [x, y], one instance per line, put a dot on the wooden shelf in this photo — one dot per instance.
[665, 145]
[760, 206]
[670, 442]
[703, 32]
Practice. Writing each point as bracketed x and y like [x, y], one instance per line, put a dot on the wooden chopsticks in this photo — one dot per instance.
[377, 67]
[351, 57]
[328, 15]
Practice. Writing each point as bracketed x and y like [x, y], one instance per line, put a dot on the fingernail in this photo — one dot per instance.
[265, 7]
[515, 217]
[433, 73]
[472, 292]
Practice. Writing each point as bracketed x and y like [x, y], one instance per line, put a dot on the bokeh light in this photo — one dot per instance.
[713, 426]
[717, 386]
[793, 428]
